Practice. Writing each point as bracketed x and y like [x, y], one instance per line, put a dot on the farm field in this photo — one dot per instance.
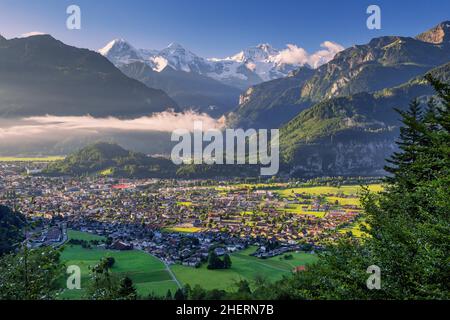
[107, 172]
[184, 204]
[350, 190]
[334, 196]
[183, 229]
[346, 198]
[31, 159]
[78, 235]
[298, 209]
[148, 273]
[244, 267]
[355, 229]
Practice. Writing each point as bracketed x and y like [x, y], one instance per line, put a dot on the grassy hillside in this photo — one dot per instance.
[148, 273]
[31, 159]
[353, 133]
[245, 267]
[108, 159]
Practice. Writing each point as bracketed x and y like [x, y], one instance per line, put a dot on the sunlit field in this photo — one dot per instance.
[244, 267]
[31, 159]
[183, 229]
[353, 190]
[148, 273]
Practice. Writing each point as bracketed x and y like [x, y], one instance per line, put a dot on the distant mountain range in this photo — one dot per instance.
[189, 90]
[248, 67]
[40, 75]
[382, 63]
[209, 85]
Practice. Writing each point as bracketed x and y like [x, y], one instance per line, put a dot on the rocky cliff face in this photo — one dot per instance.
[382, 63]
[345, 157]
[437, 35]
[246, 96]
[351, 135]
[272, 103]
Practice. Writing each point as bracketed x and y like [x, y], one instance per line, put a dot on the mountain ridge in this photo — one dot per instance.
[189, 90]
[110, 159]
[351, 134]
[248, 67]
[40, 75]
[437, 35]
[383, 62]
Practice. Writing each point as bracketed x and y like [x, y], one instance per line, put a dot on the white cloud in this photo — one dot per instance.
[292, 55]
[48, 126]
[323, 56]
[298, 56]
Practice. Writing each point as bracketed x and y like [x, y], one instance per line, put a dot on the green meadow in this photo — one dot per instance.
[182, 229]
[78, 235]
[244, 267]
[355, 229]
[350, 190]
[31, 159]
[148, 273]
[342, 196]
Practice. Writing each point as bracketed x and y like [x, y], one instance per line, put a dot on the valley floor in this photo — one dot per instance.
[150, 275]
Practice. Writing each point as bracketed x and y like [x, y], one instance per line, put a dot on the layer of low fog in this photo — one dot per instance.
[51, 135]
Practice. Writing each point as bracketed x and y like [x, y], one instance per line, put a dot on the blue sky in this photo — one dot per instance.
[216, 28]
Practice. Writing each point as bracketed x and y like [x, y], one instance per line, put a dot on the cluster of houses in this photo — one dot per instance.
[173, 248]
[265, 251]
[46, 234]
[135, 213]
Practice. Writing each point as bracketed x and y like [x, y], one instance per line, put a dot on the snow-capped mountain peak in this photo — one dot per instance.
[182, 59]
[111, 45]
[260, 53]
[246, 68]
[175, 46]
[120, 52]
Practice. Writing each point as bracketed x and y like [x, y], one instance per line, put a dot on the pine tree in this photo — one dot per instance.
[443, 93]
[438, 124]
[409, 144]
[127, 290]
[227, 262]
[179, 295]
[214, 261]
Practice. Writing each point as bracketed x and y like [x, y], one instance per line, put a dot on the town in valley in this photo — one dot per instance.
[179, 221]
